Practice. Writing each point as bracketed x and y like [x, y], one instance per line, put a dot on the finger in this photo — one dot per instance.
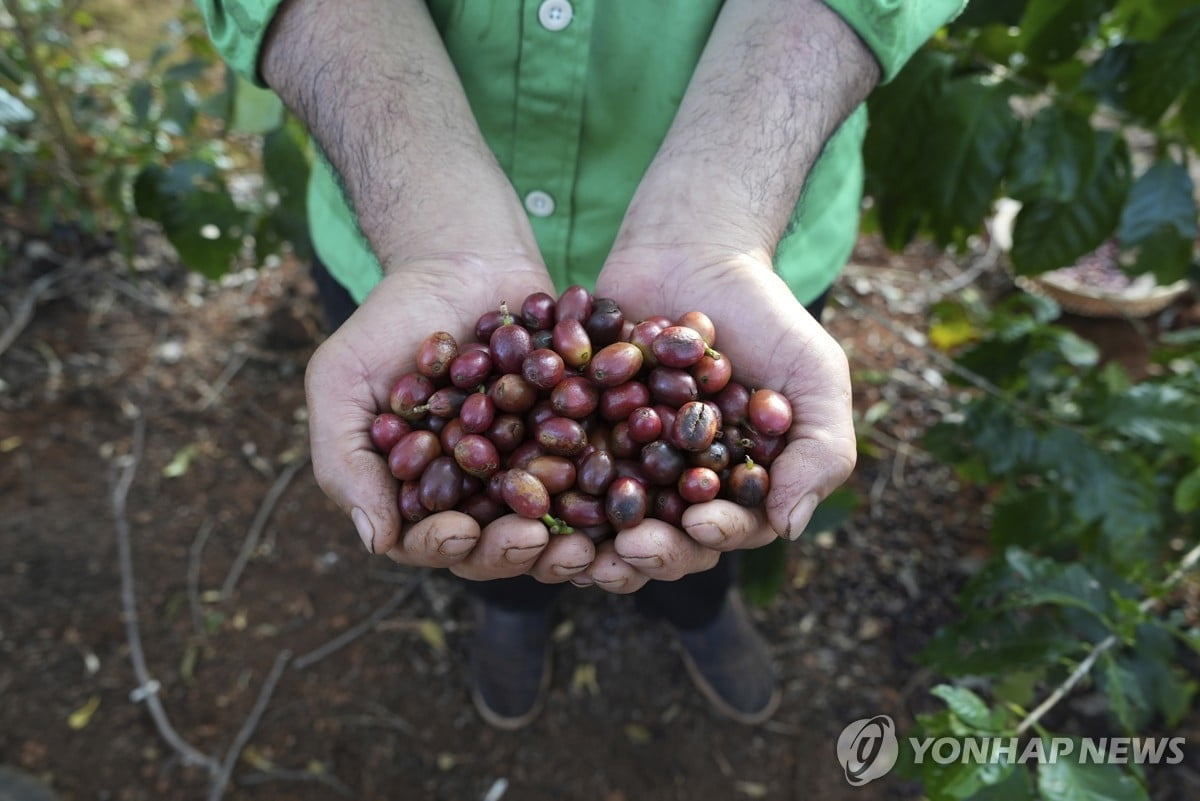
[610, 572]
[726, 526]
[822, 448]
[341, 407]
[439, 540]
[565, 556]
[507, 547]
[661, 551]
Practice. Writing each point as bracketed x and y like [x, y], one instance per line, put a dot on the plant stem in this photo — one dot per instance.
[62, 124]
[1060, 692]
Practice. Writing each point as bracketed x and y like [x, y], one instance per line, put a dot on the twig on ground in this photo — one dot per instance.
[213, 393]
[359, 629]
[147, 687]
[22, 313]
[1102, 647]
[247, 730]
[283, 775]
[260, 522]
[193, 574]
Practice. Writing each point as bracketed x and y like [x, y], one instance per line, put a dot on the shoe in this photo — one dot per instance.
[729, 663]
[510, 664]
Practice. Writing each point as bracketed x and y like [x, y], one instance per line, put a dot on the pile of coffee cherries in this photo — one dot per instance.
[566, 412]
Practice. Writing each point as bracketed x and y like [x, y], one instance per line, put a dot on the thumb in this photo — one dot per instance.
[821, 449]
[341, 407]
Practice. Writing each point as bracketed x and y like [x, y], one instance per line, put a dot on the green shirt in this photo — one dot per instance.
[574, 98]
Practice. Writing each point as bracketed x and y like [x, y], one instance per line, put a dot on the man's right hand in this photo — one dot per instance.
[348, 382]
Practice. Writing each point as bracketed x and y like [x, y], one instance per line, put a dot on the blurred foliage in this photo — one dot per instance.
[92, 137]
[1095, 480]
[1086, 112]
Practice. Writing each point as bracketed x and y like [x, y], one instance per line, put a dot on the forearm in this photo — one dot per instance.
[776, 79]
[372, 82]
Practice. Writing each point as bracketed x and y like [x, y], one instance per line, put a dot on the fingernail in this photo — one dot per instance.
[521, 555]
[800, 515]
[581, 581]
[566, 570]
[615, 584]
[366, 532]
[644, 561]
[707, 533]
[456, 546]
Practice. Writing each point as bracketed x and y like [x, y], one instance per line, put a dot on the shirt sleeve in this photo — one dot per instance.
[237, 29]
[895, 29]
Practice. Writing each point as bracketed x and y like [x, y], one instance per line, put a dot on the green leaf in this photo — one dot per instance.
[1162, 196]
[179, 110]
[900, 113]
[966, 149]
[1108, 76]
[1069, 780]
[966, 705]
[1166, 68]
[1186, 497]
[1189, 117]
[1145, 20]
[187, 70]
[197, 214]
[997, 12]
[833, 512]
[1124, 697]
[1049, 234]
[958, 781]
[1017, 785]
[763, 572]
[1054, 155]
[1158, 413]
[255, 110]
[1049, 582]
[141, 95]
[1052, 30]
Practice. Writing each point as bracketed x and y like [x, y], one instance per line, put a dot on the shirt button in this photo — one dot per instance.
[539, 203]
[555, 14]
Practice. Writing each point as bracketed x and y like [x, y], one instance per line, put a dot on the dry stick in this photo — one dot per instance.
[22, 313]
[354, 632]
[284, 775]
[1060, 692]
[193, 574]
[120, 493]
[213, 393]
[247, 730]
[260, 523]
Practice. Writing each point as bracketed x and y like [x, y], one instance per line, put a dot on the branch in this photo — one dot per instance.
[1102, 647]
[260, 523]
[147, 687]
[354, 632]
[22, 313]
[247, 730]
[62, 124]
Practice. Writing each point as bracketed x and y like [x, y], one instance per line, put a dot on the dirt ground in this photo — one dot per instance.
[216, 373]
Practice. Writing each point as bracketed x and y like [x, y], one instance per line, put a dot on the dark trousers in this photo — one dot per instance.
[690, 602]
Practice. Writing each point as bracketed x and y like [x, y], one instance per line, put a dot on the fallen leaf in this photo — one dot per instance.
[187, 666]
[637, 733]
[10, 443]
[949, 334]
[255, 759]
[563, 631]
[83, 716]
[752, 789]
[181, 461]
[239, 620]
[432, 634]
[446, 762]
[584, 679]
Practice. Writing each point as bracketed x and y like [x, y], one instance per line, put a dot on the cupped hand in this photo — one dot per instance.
[348, 382]
[774, 343]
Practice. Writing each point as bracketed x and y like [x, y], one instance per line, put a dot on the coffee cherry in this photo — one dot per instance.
[699, 485]
[625, 503]
[769, 412]
[524, 494]
[436, 353]
[749, 483]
